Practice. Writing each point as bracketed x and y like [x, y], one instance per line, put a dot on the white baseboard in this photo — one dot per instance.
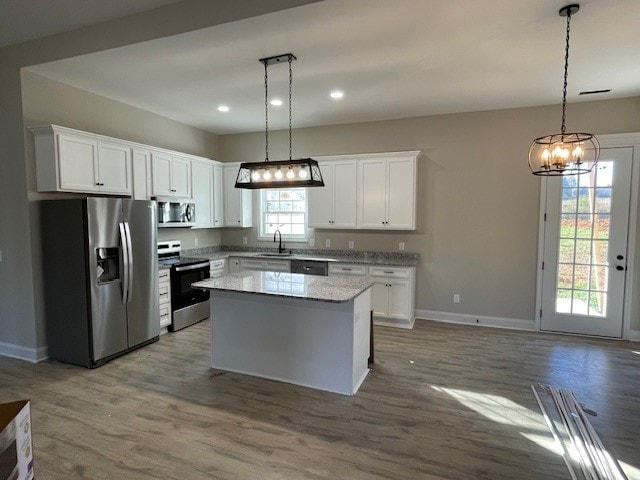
[33, 355]
[394, 322]
[483, 321]
[634, 335]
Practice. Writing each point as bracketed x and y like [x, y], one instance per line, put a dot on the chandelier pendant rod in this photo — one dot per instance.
[566, 75]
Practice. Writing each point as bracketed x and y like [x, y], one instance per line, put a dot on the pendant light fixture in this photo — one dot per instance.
[564, 153]
[299, 172]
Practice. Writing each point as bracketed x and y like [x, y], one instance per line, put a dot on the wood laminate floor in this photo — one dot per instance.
[442, 401]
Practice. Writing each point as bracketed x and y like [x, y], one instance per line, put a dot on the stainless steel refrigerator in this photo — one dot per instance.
[100, 277]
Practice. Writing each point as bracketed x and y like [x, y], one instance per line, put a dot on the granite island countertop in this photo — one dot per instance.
[335, 289]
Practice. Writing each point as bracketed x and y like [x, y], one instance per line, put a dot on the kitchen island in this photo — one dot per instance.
[302, 329]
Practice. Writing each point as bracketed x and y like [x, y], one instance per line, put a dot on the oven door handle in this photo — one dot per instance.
[125, 260]
[192, 267]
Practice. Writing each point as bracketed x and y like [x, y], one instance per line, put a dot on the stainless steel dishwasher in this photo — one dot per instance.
[310, 267]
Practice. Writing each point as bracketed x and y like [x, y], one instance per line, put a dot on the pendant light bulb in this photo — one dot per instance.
[278, 174]
[255, 175]
[302, 173]
[267, 175]
[290, 174]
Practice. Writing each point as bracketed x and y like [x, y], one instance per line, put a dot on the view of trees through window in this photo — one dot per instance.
[583, 254]
[285, 210]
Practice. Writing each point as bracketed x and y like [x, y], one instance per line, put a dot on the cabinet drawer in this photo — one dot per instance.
[164, 291]
[251, 264]
[389, 272]
[277, 266]
[216, 264]
[163, 274]
[165, 315]
[347, 269]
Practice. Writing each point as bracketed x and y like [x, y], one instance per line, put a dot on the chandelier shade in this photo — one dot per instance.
[298, 172]
[292, 173]
[564, 153]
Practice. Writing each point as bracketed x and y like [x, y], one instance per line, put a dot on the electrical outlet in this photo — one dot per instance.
[244, 240]
[350, 243]
[312, 242]
[401, 246]
[456, 298]
[327, 243]
[195, 242]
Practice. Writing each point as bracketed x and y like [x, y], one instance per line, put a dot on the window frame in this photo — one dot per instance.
[268, 237]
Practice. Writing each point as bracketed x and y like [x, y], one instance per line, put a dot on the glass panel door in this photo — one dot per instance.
[585, 248]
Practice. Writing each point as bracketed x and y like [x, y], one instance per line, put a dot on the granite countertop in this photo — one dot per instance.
[281, 284]
[399, 259]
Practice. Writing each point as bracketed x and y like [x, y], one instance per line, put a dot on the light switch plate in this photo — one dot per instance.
[327, 243]
[312, 242]
[244, 240]
[350, 243]
[401, 246]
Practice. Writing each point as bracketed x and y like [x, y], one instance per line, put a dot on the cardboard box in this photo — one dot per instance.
[16, 451]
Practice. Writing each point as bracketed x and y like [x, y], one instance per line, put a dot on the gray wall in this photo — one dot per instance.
[477, 202]
[20, 321]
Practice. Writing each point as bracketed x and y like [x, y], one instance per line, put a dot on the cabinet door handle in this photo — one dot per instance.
[389, 271]
[346, 269]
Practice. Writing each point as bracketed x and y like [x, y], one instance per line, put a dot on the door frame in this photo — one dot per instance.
[606, 141]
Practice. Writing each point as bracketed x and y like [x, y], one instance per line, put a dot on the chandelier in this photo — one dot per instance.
[564, 153]
[299, 172]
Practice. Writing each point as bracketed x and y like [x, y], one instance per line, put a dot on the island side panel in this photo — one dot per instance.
[298, 341]
[361, 332]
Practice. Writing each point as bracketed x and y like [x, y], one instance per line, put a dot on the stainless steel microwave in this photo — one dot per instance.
[174, 212]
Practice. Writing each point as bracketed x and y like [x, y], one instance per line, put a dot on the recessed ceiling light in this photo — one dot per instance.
[223, 108]
[276, 102]
[337, 94]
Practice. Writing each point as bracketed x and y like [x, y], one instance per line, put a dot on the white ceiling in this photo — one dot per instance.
[392, 58]
[23, 20]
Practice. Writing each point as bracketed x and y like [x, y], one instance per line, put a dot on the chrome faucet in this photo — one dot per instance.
[280, 246]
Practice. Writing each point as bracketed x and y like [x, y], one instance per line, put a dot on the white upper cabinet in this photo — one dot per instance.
[170, 175]
[70, 160]
[334, 205]
[141, 160]
[218, 196]
[387, 192]
[114, 168]
[207, 192]
[202, 185]
[237, 201]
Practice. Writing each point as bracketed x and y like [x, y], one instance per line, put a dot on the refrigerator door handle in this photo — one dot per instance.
[124, 275]
[130, 262]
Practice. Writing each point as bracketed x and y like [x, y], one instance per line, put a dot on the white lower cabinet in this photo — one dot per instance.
[393, 292]
[164, 290]
[217, 268]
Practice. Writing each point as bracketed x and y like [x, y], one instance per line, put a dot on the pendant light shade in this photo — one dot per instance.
[292, 173]
[564, 153]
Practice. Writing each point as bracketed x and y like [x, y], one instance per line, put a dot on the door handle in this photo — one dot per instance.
[124, 274]
[127, 231]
